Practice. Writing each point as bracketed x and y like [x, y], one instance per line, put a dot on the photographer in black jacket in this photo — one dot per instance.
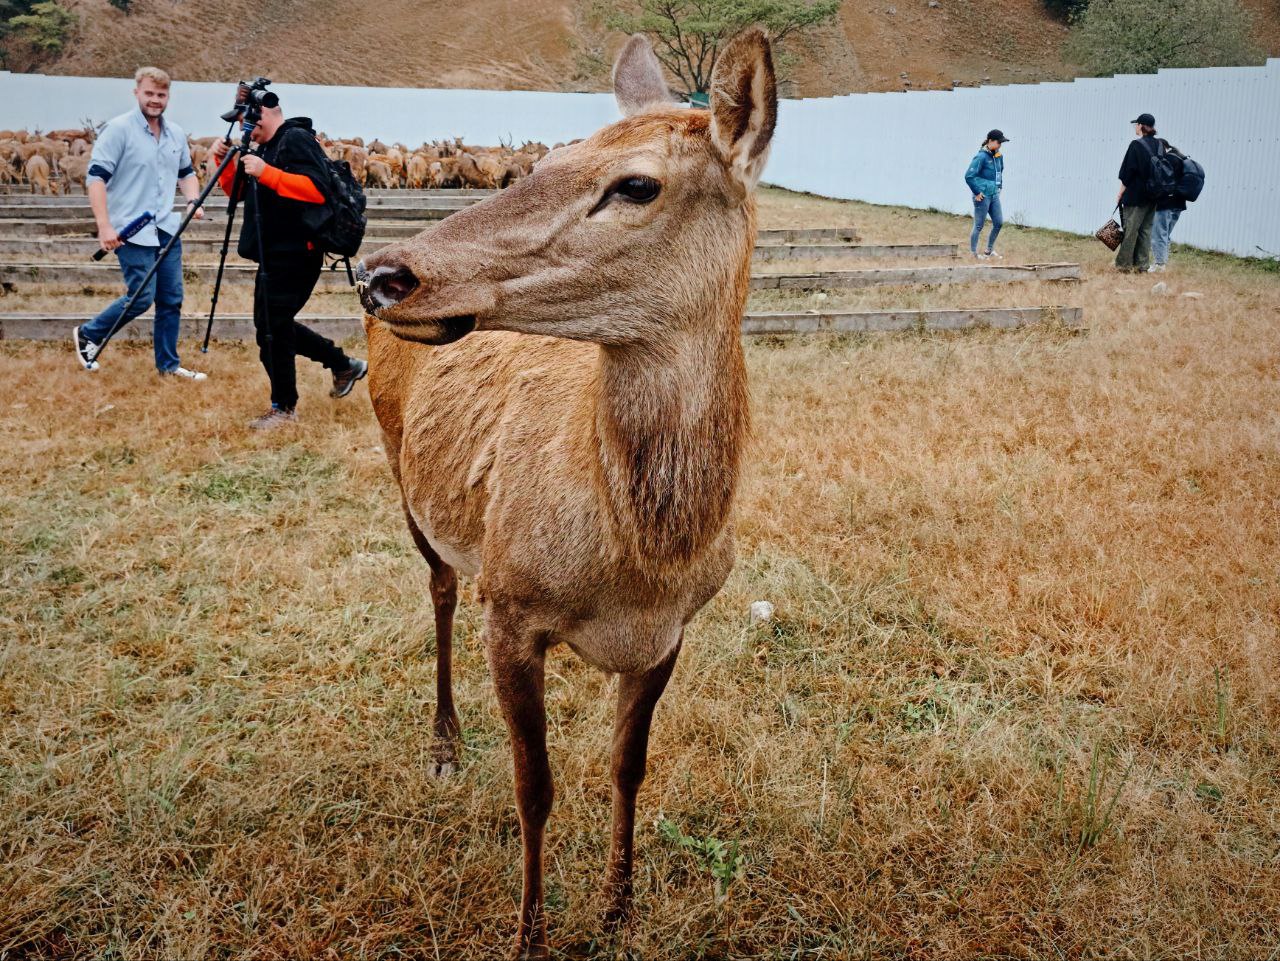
[289, 167]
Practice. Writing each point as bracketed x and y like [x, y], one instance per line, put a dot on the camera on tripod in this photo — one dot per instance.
[251, 97]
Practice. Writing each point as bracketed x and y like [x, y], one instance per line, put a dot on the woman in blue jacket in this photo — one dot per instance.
[985, 178]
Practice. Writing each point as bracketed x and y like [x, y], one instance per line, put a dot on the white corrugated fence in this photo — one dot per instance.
[891, 148]
[1067, 143]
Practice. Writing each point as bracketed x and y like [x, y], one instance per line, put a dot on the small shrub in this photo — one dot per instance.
[723, 860]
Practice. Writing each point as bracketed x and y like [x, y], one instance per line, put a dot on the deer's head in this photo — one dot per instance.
[614, 239]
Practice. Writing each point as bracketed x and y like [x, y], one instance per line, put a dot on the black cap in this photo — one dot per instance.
[1145, 119]
[997, 135]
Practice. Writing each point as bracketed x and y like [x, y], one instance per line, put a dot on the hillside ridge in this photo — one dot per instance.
[498, 44]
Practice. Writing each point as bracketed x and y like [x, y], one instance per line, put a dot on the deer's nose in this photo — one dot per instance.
[386, 286]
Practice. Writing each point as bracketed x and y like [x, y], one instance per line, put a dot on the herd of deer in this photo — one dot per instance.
[563, 409]
[443, 164]
[46, 162]
[59, 161]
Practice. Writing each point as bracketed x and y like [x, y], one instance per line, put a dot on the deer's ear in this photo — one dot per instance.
[637, 77]
[744, 104]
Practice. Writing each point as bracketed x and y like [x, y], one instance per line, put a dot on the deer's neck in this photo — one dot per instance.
[671, 421]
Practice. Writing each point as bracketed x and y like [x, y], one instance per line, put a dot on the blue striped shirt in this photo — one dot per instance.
[141, 173]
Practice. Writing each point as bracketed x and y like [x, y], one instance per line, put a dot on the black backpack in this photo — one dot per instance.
[1162, 179]
[1190, 177]
[340, 228]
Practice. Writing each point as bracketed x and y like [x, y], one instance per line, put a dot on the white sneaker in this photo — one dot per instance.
[1156, 268]
[992, 255]
[978, 256]
[188, 374]
[86, 350]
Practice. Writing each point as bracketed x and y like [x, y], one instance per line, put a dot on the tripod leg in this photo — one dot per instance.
[232, 201]
[199, 202]
[261, 282]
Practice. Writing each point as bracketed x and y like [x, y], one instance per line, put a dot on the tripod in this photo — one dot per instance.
[249, 120]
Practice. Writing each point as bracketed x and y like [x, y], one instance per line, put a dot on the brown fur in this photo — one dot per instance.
[38, 173]
[74, 170]
[580, 451]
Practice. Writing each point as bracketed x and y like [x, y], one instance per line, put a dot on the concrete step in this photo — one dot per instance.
[240, 326]
[214, 225]
[82, 211]
[206, 244]
[895, 276]
[372, 198]
[106, 275]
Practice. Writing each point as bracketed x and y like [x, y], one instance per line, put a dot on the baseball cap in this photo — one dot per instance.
[1145, 119]
[997, 135]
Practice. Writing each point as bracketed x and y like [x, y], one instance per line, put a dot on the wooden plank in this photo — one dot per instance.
[894, 276]
[810, 235]
[773, 253]
[240, 326]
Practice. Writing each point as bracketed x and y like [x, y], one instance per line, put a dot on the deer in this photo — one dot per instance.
[559, 379]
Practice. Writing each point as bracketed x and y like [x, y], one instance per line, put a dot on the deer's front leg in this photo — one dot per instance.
[637, 696]
[444, 598]
[516, 663]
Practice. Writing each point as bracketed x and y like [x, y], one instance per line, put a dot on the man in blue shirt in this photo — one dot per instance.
[137, 161]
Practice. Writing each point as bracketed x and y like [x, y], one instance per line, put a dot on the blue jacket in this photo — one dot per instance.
[985, 174]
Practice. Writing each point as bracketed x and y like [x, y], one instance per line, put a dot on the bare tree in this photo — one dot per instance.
[687, 34]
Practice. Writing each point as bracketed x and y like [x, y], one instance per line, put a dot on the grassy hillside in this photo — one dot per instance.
[529, 45]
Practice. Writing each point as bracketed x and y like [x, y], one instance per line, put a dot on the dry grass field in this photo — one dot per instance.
[1021, 697]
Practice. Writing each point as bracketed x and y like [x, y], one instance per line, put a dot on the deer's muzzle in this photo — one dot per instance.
[386, 286]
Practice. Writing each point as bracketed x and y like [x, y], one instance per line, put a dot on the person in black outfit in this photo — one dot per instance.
[289, 167]
[1137, 208]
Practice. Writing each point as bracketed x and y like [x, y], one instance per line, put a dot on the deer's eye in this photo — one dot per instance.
[638, 190]
[632, 190]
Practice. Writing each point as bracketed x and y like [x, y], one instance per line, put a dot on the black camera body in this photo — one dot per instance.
[251, 97]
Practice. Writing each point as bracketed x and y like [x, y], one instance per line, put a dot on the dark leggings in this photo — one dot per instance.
[289, 283]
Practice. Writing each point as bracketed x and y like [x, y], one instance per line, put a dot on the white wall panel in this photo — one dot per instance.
[1068, 140]
[410, 115]
[908, 149]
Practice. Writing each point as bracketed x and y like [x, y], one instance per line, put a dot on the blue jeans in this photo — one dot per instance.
[165, 290]
[989, 204]
[1160, 231]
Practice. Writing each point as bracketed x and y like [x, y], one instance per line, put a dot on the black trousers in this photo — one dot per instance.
[288, 285]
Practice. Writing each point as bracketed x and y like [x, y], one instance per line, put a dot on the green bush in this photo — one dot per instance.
[1141, 36]
[46, 27]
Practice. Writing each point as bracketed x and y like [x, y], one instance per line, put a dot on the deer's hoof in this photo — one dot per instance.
[444, 757]
[616, 917]
[439, 770]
